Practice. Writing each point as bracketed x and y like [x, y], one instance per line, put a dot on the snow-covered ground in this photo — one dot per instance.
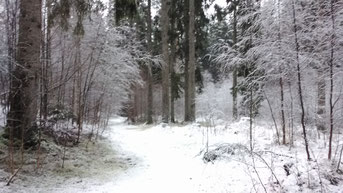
[171, 161]
[169, 158]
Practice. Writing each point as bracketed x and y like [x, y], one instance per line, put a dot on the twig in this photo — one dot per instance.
[15, 173]
[258, 175]
[282, 155]
[318, 172]
[274, 120]
[271, 170]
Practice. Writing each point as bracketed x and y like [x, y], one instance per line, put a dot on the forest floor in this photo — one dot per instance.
[202, 157]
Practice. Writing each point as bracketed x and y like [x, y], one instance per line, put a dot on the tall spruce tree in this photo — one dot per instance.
[22, 116]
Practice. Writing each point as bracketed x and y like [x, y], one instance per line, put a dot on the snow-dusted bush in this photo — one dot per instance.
[215, 100]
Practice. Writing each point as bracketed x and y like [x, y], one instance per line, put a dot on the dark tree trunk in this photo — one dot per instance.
[172, 70]
[299, 82]
[23, 100]
[192, 61]
[186, 52]
[251, 110]
[149, 72]
[283, 121]
[165, 67]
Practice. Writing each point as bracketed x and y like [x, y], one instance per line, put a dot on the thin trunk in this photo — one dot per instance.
[299, 81]
[331, 65]
[165, 67]
[192, 61]
[172, 71]
[291, 133]
[149, 73]
[43, 113]
[150, 95]
[186, 52]
[73, 97]
[250, 120]
[321, 94]
[47, 64]
[61, 89]
[273, 117]
[234, 73]
[78, 89]
[320, 122]
[11, 42]
[283, 121]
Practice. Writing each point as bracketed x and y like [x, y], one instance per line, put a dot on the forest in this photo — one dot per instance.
[171, 96]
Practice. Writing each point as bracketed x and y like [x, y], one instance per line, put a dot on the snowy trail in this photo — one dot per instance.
[165, 159]
[161, 165]
[166, 162]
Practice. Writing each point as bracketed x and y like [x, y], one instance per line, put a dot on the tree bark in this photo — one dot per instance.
[23, 100]
[186, 52]
[172, 70]
[165, 66]
[192, 61]
[281, 83]
[149, 72]
[283, 121]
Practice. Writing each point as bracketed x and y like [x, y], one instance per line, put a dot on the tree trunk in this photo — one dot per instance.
[78, 89]
[149, 72]
[172, 70]
[192, 61]
[331, 66]
[165, 66]
[251, 110]
[61, 88]
[234, 73]
[273, 117]
[45, 63]
[291, 124]
[283, 121]
[23, 100]
[186, 52]
[299, 81]
[320, 123]
[321, 85]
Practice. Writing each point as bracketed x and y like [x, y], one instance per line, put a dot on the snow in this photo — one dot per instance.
[169, 158]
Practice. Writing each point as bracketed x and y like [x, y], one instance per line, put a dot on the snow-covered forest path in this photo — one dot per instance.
[168, 159]
[165, 160]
